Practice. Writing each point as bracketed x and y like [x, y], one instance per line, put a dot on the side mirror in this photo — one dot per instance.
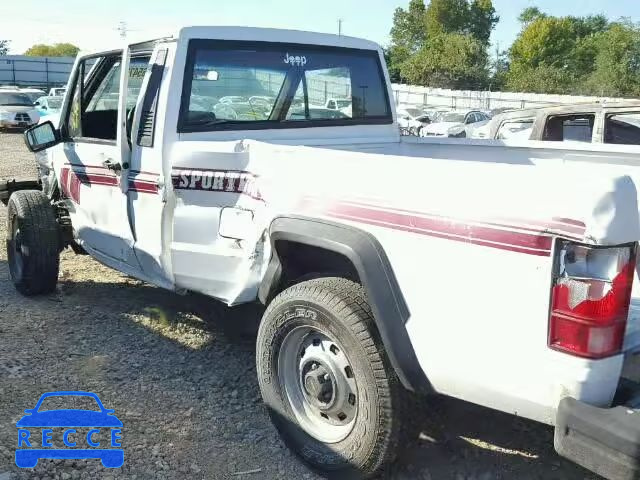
[41, 137]
[36, 104]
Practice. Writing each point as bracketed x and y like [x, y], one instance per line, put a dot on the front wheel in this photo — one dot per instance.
[33, 243]
[326, 380]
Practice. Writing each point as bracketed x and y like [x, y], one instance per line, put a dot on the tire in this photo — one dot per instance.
[315, 316]
[33, 243]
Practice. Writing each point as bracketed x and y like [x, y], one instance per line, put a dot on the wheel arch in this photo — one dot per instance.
[369, 262]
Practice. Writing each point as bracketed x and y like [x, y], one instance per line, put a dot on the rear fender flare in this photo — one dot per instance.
[363, 250]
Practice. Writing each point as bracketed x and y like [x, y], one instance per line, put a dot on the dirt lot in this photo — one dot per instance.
[186, 390]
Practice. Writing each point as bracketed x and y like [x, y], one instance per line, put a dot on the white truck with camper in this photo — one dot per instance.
[388, 266]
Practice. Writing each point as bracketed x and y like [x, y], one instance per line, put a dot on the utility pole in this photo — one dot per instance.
[339, 26]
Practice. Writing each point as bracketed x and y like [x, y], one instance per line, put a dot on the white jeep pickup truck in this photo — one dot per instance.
[388, 266]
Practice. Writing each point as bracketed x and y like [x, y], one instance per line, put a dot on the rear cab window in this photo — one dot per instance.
[622, 128]
[259, 85]
[569, 128]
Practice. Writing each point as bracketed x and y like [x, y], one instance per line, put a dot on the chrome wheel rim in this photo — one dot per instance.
[319, 383]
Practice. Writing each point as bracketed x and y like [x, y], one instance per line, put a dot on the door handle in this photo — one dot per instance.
[115, 167]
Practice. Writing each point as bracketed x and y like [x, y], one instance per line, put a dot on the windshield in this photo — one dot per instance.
[33, 96]
[414, 112]
[15, 99]
[452, 117]
[266, 84]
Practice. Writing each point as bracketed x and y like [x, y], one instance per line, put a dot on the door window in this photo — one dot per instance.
[95, 99]
[574, 128]
[623, 128]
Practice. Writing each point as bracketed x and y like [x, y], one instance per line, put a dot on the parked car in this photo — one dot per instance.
[411, 120]
[453, 124]
[387, 265]
[48, 105]
[57, 91]
[16, 110]
[613, 123]
[33, 93]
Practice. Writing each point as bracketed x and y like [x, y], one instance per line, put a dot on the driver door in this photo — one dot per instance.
[93, 167]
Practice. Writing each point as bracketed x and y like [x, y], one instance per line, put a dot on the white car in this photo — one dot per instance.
[412, 120]
[388, 266]
[453, 124]
[17, 110]
[57, 91]
[33, 93]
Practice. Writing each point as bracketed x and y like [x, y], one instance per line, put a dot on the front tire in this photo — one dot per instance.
[33, 243]
[325, 378]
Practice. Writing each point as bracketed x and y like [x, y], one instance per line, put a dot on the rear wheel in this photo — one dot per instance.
[326, 380]
[33, 243]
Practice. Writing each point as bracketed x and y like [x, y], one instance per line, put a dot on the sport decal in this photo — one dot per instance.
[532, 237]
[228, 181]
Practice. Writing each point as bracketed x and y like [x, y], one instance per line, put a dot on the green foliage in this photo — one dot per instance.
[575, 55]
[57, 50]
[617, 63]
[449, 60]
[443, 44]
[530, 14]
[4, 47]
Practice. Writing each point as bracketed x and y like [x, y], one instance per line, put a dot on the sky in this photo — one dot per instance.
[27, 22]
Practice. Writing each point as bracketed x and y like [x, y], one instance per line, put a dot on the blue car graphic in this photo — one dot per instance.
[69, 418]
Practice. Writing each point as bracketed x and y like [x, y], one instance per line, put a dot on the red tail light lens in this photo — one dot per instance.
[590, 299]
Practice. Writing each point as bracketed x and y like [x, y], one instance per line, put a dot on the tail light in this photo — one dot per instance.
[590, 298]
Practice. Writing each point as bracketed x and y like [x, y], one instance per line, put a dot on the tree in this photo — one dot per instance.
[449, 60]
[482, 20]
[585, 55]
[4, 47]
[57, 50]
[443, 44]
[530, 14]
[617, 62]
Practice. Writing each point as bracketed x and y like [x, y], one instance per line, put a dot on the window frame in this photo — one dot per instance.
[211, 44]
[515, 120]
[74, 84]
[607, 126]
[566, 116]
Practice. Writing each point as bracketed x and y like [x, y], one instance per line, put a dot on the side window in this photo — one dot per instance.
[107, 95]
[517, 128]
[565, 128]
[622, 128]
[95, 100]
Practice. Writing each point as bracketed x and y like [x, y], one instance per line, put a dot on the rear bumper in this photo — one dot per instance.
[603, 440]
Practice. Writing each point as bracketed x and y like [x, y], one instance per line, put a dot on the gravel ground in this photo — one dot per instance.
[185, 388]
